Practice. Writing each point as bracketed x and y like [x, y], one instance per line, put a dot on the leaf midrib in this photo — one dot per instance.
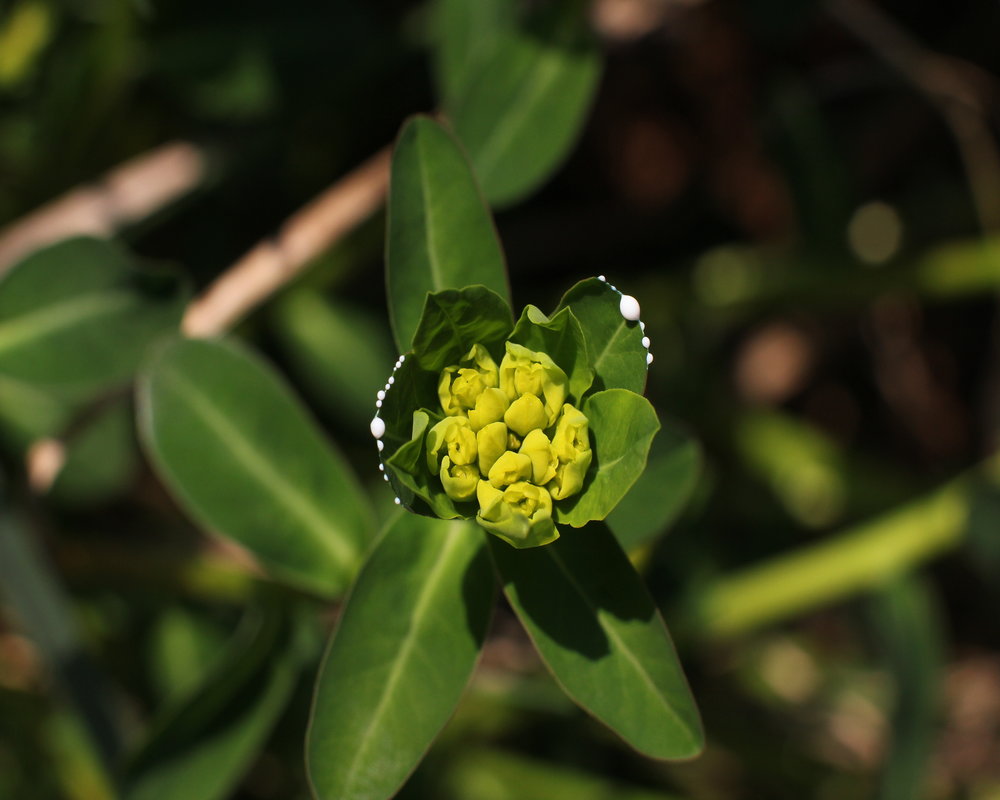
[437, 281]
[599, 361]
[299, 504]
[51, 319]
[417, 620]
[617, 640]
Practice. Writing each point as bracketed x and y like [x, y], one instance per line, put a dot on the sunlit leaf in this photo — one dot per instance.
[456, 319]
[402, 653]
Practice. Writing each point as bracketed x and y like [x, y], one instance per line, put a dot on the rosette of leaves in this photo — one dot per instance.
[527, 428]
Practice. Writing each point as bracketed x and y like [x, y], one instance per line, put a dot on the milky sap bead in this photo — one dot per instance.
[629, 307]
[378, 427]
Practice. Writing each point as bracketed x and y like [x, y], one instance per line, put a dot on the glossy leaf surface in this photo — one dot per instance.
[402, 653]
[440, 234]
[520, 114]
[243, 458]
[617, 355]
[456, 319]
[561, 337]
[80, 314]
[597, 629]
[622, 427]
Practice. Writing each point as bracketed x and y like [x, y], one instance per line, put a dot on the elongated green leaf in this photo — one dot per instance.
[400, 657]
[243, 458]
[202, 746]
[622, 427]
[78, 313]
[466, 35]
[562, 338]
[662, 491]
[520, 115]
[439, 233]
[456, 319]
[614, 343]
[599, 633]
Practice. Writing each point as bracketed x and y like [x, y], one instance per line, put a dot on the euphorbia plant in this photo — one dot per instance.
[512, 439]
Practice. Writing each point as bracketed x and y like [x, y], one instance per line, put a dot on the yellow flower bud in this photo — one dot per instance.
[491, 441]
[460, 385]
[509, 468]
[490, 407]
[536, 446]
[521, 514]
[571, 445]
[525, 415]
[459, 480]
[524, 372]
[455, 434]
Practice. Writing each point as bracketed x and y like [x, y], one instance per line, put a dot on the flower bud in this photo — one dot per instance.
[509, 468]
[525, 415]
[455, 435]
[571, 445]
[491, 442]
[536, 446]
[460, 386]
[490, 407]
[459, 480]
[525, 372]
[521, 514]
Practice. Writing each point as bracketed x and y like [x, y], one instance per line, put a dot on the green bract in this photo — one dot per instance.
[518, 447]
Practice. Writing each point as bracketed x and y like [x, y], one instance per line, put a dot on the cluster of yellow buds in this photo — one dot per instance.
[509, 441]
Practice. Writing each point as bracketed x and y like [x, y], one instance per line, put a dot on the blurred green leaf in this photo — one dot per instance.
[28, 412]
[402, 653]
[523, 109]
[182, 646]
[561, 338]
[622, 427]
[466, 36]
[907, 629]
[439, 233]
[202, 746]
[661, 492]
[614, 344]
[79, 313]
[454, 320]
[497, 775]
[241, 455]
[595, 626]
[340, 354]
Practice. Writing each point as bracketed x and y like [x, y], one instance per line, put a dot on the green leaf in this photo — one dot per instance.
[622, 427]
[614, 343]
[661, 492]
[520, 115]
[596, 628]
[440, 234]
[466, 35]
[202, 745]
[454, 320]
[341, 355]
[243, 458]
[80, 314]
[562, 338]
[402, 653]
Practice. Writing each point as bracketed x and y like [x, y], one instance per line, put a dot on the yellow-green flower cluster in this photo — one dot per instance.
[509, 441]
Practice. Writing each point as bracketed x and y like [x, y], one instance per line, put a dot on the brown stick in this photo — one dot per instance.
[126, 194]
[304, 236]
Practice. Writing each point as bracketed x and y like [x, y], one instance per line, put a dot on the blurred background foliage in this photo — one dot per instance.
[805, 197]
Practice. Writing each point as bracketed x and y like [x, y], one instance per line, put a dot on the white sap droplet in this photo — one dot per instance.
[380, 395]
[381, 467]
[378, 427]
[645, 342]
[391, 380]
[642, 326]
[398, 501]
[629, 307]
[402, 359]
[649, 358]
[385, 477]
[601, 278]
[381, 445]
[378, 404]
